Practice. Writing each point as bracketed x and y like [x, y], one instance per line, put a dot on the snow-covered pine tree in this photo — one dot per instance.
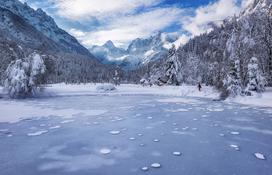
[232, 83]
[171, 71]
[256, 82]
[23, 76]
[116, 78]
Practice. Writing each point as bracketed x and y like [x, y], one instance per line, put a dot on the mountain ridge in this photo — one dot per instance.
[140, 51]
[46, 25]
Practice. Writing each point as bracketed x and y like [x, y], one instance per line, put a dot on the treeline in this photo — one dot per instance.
[229, 57]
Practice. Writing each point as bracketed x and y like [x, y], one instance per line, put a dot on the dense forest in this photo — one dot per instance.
[235, 57]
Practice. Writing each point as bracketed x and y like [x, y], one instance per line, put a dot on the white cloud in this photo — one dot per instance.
[120, 22]
[183, 39]
[77, 33]
[84, 9]
[199, 23]
[122, 30]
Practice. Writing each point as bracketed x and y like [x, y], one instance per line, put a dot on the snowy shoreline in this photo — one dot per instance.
[90, 89]
[130, 89]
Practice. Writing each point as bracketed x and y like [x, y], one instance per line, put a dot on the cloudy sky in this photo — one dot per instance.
[96, 21]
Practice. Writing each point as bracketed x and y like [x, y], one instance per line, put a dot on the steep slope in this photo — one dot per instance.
[223, 57]
[15, 28]
[24, 30]
[138, 53]
[46, 25]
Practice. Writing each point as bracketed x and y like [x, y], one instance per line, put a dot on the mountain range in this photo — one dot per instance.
[139, 51]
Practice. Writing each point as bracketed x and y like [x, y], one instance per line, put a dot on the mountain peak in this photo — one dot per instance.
[109, 44]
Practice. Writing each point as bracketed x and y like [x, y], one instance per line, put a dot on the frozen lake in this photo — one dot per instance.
[136, 134]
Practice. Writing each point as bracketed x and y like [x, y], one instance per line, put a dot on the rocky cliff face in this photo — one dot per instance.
[46, 25]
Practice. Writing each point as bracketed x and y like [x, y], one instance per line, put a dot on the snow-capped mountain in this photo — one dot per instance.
[43, 23]
[139, 52]
[24, 30]
[108, 52]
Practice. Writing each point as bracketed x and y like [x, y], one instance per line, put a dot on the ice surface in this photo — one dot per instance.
[84, 147]
[29, 109]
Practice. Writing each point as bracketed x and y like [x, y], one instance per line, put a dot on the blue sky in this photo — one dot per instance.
[96, 21]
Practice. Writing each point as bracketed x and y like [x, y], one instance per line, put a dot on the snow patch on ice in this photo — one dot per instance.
[145, 168]
[115, 132]
[176, 110]
[72, 163]
[176, 153]
[179, 100]
[37, 133]
[67, 121]
[155, 165]
[55, 127]
[215, 109]
[26, 109]
[105, 151]
[250, 128]
[234, 133]
[236, 147]
[259, 156]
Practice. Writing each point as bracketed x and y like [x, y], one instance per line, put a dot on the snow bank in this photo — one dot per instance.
[130, 89]
[105, 88]
[257, 99]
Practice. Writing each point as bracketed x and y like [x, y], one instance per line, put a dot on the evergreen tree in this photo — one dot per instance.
[232, 83]
[171, 70]
[256, 81]
[23, 76]
[116, 78]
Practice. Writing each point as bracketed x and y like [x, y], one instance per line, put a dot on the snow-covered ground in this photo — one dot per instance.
[258, 99]
[131, 89]
[263, 99]
[64, 90]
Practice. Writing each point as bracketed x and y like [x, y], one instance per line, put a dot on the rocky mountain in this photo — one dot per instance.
[108, 52]
[236, 57]
[139, 51]
[46, 25]
[24, 30]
